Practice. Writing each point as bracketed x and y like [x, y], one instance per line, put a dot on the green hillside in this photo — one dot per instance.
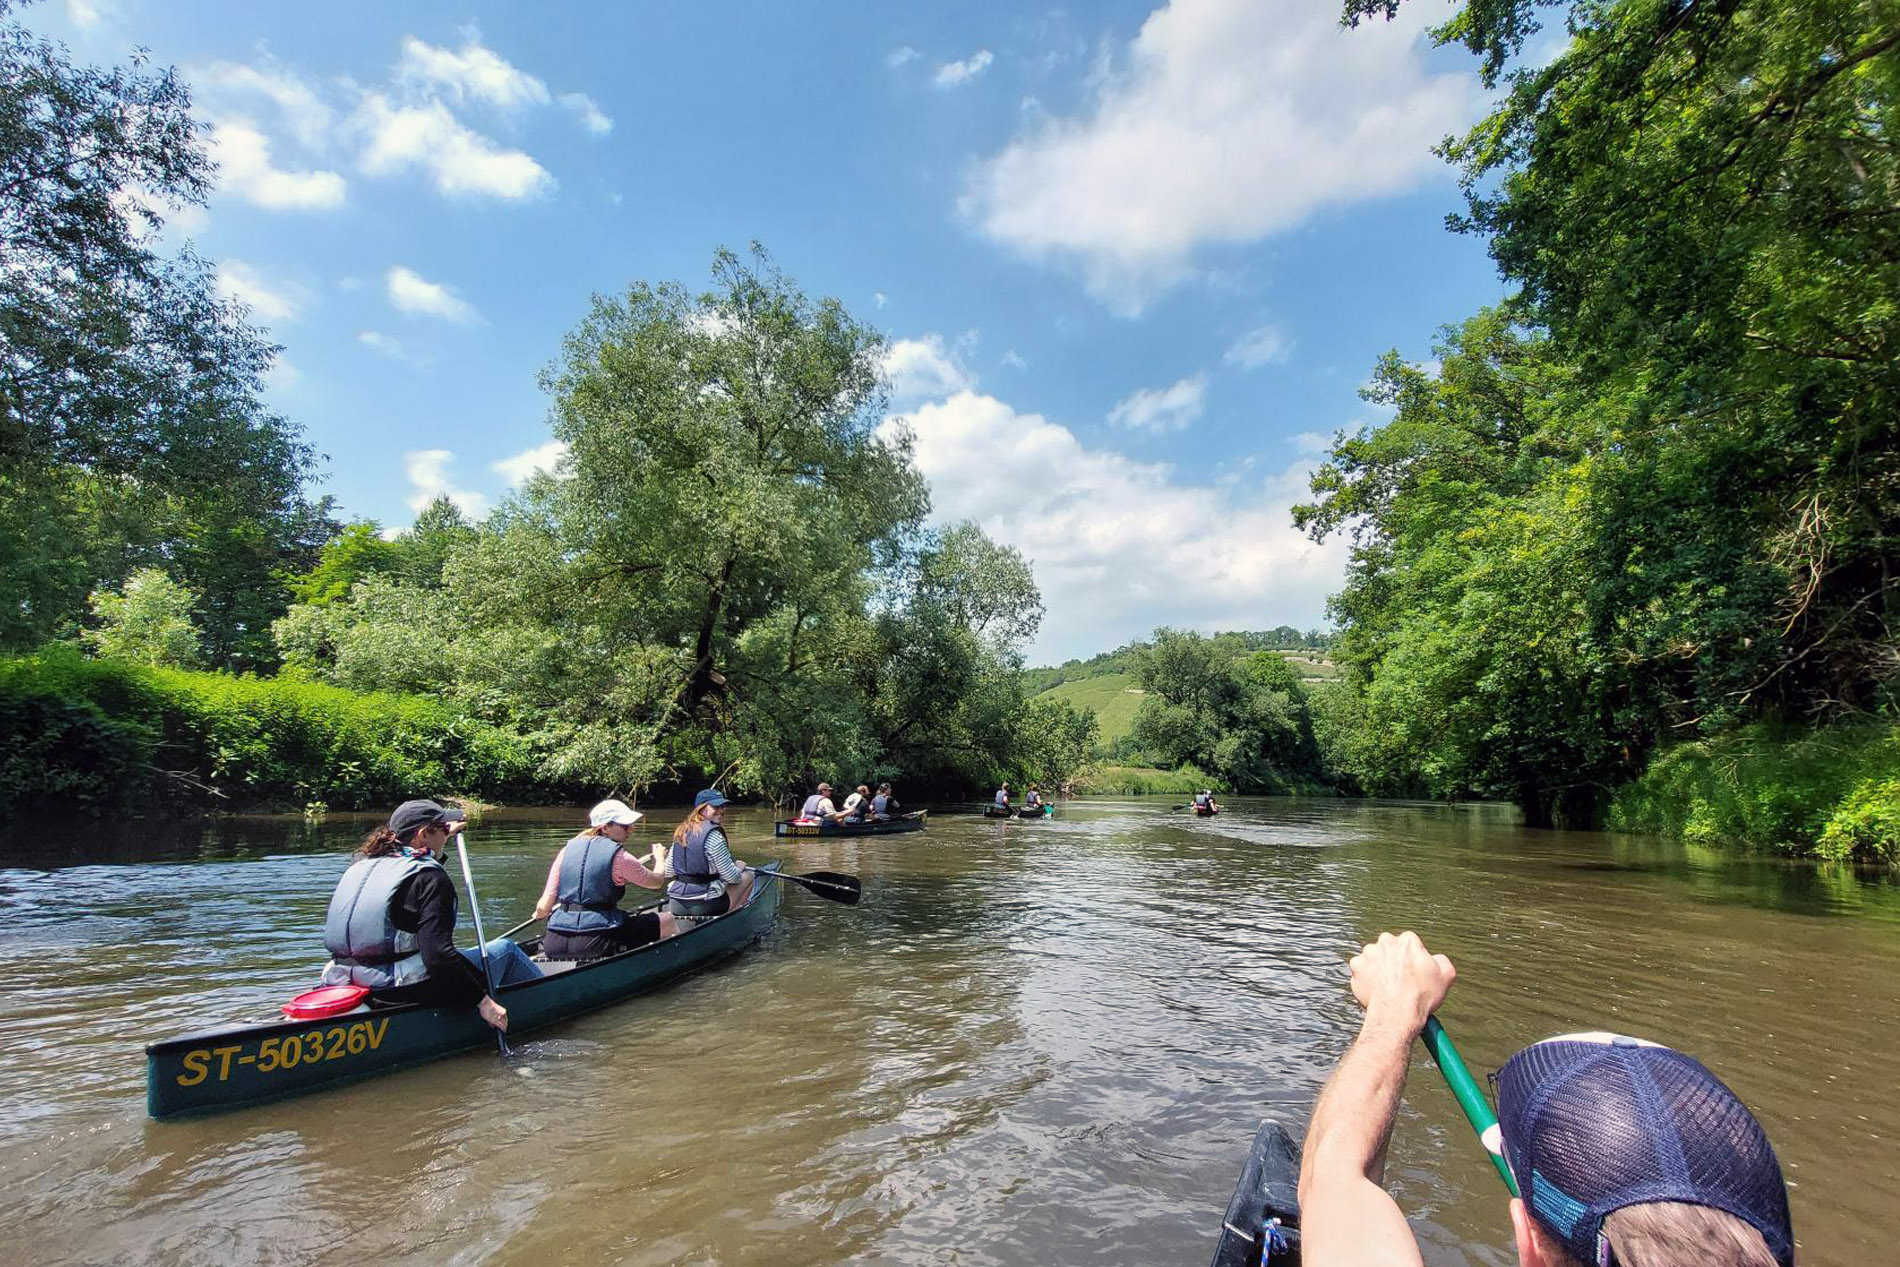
[1113, 696]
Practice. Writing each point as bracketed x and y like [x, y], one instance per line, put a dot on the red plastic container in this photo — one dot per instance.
[329, 1000]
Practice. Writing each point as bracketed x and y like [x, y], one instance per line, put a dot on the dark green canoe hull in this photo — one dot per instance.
[791, 827]
[1269, 1189]
[252, 1064]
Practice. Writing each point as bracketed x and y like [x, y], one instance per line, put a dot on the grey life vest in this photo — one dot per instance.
[811, 806]
[692, 869]
[881, 806]
[1002, 799]
[590, 900]
[366, 948]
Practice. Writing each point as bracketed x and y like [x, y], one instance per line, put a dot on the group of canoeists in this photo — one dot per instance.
[861, 805]
[391, 921]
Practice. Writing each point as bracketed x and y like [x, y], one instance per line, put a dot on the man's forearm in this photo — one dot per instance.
[1353, 1120]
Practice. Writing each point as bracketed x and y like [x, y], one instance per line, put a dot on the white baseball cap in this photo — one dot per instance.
[613, 812]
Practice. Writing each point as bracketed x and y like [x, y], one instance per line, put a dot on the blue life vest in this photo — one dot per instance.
[590, 900]
[1002, 799]
[692, 868]
[365, 947]
[881, 805]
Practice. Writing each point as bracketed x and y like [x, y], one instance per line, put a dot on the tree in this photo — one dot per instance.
[150, 622]
[1242, 716]
[129, 391]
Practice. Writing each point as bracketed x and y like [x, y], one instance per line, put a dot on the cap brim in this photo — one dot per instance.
[451, 814]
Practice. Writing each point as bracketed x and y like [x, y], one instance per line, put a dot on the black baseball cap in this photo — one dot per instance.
[411, 815]
[1592, 1123]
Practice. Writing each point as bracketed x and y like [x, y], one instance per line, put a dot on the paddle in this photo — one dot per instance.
[532, 919]
[481, 941]
[833, 886]
[1470, 1096]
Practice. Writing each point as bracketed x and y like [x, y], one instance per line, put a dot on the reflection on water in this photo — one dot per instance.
[1034, 1042]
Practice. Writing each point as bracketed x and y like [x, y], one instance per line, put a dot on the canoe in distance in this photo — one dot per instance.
[802, 827]
[1264, 1214]
[251, 1064]
[1045, 810]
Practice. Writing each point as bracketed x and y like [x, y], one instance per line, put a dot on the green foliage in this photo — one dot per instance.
[149, 623]
[1128, 780]
[1125, 659]
[357, 551]
[117, 735]
[1775, 787]
[1114, 698]
[1056, 740]
[131, 430]
[1242, 715]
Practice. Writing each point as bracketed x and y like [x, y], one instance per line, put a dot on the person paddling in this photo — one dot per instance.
[818, 806]
[1032, 799]
[1002, 796]
[590, 875]
[856, 806]
[391, 922]
[883, 805]
[1626, 1153]
[705, 878]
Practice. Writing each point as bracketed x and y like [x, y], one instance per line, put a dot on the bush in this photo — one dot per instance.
[109, 734]
[1829, 791]
[1132, 780]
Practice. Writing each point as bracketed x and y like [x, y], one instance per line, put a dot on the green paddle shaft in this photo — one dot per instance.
[1470, 1096]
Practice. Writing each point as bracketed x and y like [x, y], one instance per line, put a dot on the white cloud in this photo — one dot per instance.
[134, 203]
[410, 292]
[86, 14]
[1227, 121]
[543, 457]
[1121, 546]
[923, 369]
[593, 118]
[475, 73]
[901, 55]
[1265, 346]
[460, 160]
[428, 472]
[1161, 410]
[955, 74]
[880, 298]
[1311, 443]
[1015, 360]
[224, 84]
[242, 154]
[390, 346]
[269, 301]
[282, 376]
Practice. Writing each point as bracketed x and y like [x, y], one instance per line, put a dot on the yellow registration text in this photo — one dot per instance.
[283, 1051]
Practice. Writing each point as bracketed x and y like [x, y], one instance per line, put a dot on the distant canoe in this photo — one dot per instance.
[1206, 811]
[251, 1064]
[802, 827]
[1045, 810]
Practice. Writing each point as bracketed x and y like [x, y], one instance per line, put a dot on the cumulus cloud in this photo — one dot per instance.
[1120, 546]
[543, 457]
[902, 55]
[592, 117]
[922, 369]
[1224, 122]
[1161, 410]
[475, 73]
[228, 87]
[242, 154]
[460, 161]
[1265, 346]
[410, 292]
[269, 301]
[428, 472]
[955, 74]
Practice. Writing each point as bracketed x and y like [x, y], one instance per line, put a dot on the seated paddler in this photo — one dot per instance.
[391, 925]
[590, 875]
[705, 880]
[883, 805]
[818, 806]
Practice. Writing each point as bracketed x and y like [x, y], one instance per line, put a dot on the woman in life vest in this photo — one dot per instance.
[590, 875]
[705, 879]
[391, 923]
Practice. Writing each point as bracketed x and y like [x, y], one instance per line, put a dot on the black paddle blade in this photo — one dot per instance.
[833, 885]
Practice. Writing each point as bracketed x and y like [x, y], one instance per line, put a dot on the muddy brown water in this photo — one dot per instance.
[1033, 1042]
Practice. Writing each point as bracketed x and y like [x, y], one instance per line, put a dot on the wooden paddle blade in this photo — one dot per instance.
[834, 885]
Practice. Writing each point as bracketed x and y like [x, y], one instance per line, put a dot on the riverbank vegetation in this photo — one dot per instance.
[1629, 545]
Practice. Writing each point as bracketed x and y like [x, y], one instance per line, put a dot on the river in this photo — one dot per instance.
[1032, 1043]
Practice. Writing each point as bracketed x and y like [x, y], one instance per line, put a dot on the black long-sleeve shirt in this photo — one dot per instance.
[425, 906]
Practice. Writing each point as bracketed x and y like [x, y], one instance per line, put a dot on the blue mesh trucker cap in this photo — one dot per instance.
[1595, 1122]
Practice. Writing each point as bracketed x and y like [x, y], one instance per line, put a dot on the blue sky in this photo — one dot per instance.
[1135, 261]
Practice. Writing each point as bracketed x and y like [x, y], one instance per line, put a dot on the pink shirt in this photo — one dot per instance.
[627, 870]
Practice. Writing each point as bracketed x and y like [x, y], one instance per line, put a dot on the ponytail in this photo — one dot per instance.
[380, 843]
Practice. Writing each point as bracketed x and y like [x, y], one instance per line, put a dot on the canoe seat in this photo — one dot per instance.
[554, 967]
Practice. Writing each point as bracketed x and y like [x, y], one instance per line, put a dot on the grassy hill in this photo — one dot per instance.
[1113, 696]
